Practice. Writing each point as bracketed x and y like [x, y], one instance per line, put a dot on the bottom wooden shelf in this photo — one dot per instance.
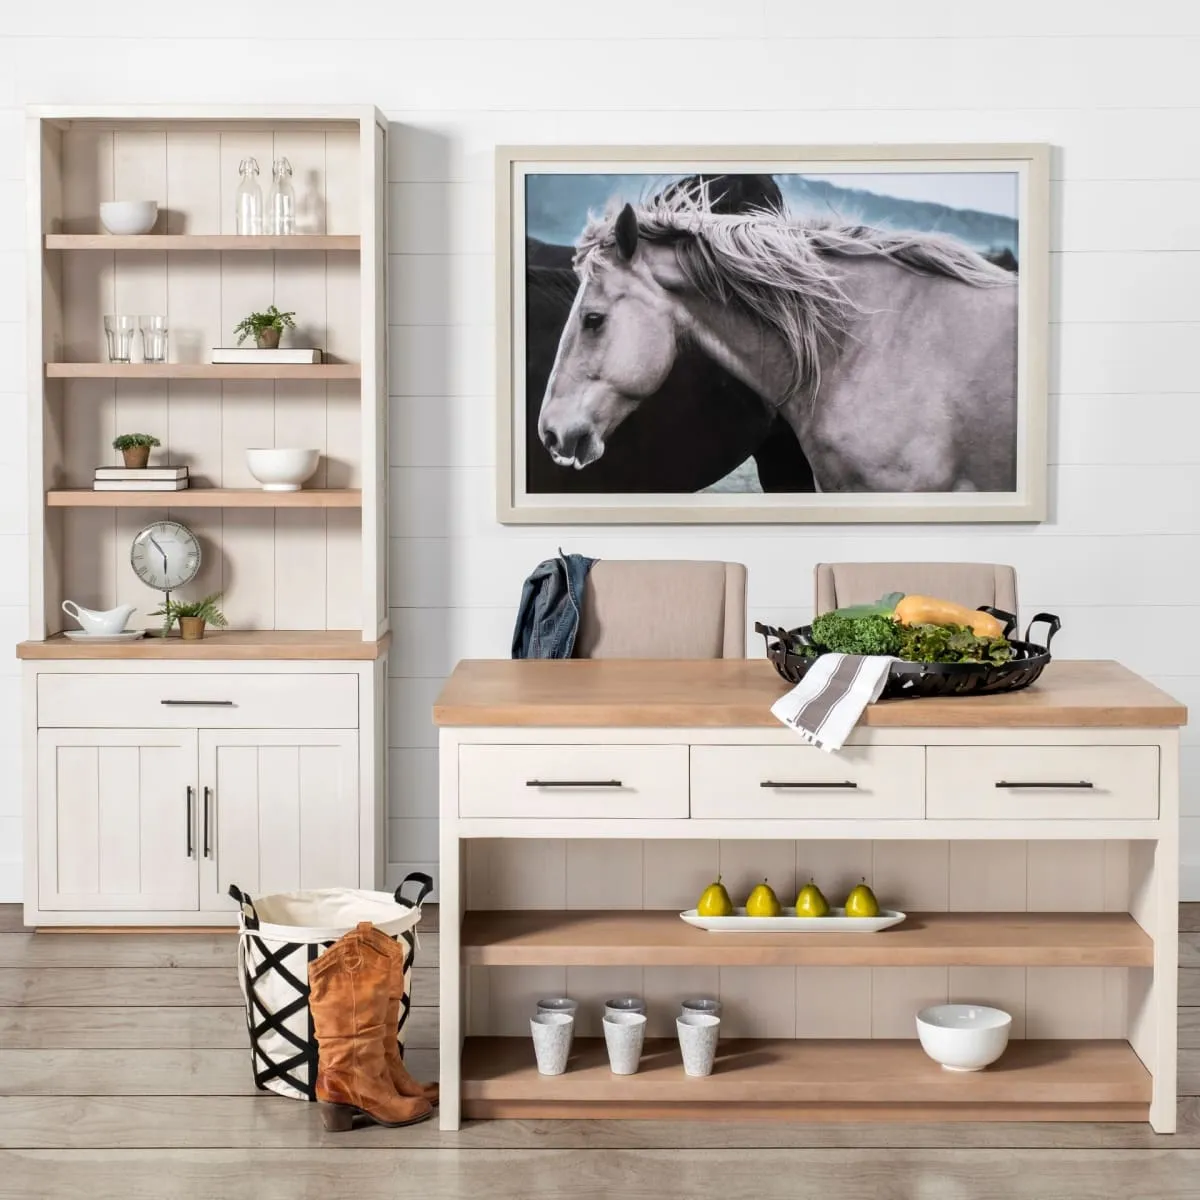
[812, 1081]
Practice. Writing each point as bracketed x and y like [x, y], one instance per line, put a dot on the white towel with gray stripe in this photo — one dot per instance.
[825, 705]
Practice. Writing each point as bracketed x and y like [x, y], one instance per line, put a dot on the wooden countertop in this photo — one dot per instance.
[738, 693]
[230, 645]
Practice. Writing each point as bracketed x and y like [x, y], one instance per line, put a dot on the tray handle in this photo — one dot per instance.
[1053, 626]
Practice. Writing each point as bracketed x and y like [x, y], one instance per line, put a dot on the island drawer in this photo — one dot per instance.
[565, 782]
[1042, 782]
[212, 701]
[789, 782]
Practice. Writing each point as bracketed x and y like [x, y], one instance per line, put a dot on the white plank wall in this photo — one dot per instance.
[928, 876]
[1113, 87]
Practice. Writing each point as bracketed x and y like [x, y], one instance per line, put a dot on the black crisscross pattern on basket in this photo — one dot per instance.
[289, 962]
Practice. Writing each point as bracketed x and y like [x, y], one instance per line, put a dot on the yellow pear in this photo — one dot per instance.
[762, 902]
[714, 901]
[811, 902]
[861, 902]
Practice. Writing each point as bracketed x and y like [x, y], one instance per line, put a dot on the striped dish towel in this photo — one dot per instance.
[825, 705]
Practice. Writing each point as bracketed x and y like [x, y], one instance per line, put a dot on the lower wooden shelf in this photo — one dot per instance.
[546, 937]
[207, 498]
[826, 1080]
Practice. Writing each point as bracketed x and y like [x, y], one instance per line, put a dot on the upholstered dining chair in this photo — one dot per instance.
[663, 609]
[972, 584]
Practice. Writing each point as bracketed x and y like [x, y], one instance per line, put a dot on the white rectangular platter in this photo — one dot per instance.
[787, 922]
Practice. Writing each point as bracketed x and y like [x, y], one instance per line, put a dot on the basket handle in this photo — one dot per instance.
[246, 904]
[1053, 626]
[1009, 619]
[426, 887]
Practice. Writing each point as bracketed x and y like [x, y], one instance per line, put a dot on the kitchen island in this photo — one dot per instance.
[1033, 839]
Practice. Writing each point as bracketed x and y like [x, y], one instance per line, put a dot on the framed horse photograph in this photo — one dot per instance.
[752, 334]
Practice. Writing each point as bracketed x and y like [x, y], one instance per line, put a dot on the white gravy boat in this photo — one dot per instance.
[102, 624]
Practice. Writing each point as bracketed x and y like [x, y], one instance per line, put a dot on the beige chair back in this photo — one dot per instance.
[663, 610]
[972, 584]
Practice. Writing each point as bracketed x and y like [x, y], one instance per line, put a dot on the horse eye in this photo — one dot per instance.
[592, 321]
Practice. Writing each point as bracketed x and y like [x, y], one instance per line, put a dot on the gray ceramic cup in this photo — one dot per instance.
[561, 1004]
[625, 1004]
[701, 1004]
[552, 1041]
[698, 1034]
[624, 1034]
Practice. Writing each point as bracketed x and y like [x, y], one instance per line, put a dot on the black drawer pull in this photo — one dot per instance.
[201, 703]
[573, 783]
[191, 850]
[1080, 784]
[807, 783]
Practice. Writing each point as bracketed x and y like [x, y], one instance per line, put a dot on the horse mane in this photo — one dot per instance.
[780, 269]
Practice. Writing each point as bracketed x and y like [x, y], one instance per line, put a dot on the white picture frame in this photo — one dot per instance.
[522, 349]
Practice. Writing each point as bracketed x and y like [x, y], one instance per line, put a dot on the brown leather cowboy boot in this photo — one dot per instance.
[404, 1083]
[349, 997]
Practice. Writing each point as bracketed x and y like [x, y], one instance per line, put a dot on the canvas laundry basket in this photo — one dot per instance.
[280, 935]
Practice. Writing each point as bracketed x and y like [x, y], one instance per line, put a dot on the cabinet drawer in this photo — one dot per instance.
[802, 782]
[1042, 782]
[627, 782]
[267, 701]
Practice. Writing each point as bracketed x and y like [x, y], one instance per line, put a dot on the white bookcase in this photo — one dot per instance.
[161, 771]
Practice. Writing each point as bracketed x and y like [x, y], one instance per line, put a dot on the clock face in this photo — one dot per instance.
[165, 555]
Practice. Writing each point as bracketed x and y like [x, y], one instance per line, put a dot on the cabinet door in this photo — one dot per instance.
[278, 811]
[117, 819]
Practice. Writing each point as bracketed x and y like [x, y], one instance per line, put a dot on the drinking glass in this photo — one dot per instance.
[154, 339]
[119, 332]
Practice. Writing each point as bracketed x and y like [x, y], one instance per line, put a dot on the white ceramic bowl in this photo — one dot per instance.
[282, 470]
[963, 1037]
[128, 216]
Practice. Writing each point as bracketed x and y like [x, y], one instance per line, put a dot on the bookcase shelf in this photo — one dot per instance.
[322, 372]
[206, 498]
[202, 241]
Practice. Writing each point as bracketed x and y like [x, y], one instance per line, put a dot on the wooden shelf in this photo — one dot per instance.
[554, 938]
[839, 1079]
[207, 498]
[201, 241]
[229, 645]
[320, 372]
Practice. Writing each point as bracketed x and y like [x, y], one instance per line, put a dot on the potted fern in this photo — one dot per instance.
[265, 327]
[135, 448]
[192, 616]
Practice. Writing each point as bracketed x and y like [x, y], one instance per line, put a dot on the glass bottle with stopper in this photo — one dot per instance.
[249, 199]
[281, 205]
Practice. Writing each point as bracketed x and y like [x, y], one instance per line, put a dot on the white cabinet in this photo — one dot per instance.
[162, 821]
[278, 811]
[116, 812]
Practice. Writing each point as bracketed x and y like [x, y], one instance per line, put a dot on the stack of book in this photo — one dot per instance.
[240, 355]
[140, 479]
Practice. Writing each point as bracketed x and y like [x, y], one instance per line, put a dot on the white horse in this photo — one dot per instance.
[891, 355]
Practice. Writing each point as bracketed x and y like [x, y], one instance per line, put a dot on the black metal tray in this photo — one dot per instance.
[907, 680]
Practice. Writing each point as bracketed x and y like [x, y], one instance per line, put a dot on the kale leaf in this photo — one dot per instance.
[950, 644]
[874, 634]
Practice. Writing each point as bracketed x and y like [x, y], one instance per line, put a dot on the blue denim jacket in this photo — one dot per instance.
[551, 601]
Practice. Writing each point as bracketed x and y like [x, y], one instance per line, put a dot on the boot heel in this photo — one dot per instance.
[337, 1118]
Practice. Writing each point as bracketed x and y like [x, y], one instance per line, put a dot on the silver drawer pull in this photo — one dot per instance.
[807, 783]
[1074, 785]
[573, 783]
[201, 703]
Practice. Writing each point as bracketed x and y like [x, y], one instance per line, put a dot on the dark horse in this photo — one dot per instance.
[727, 422]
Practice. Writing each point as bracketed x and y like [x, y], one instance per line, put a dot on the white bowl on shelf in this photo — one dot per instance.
[963, 1037]
[282, 470]
[127, 217]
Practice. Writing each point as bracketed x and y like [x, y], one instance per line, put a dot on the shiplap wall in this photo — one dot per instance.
[1112, 86]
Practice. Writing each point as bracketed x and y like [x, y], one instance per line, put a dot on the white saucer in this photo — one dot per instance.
[81, 635]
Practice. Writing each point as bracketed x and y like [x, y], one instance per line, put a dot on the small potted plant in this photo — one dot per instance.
[192, 616]
[135, 448]
[265, 327]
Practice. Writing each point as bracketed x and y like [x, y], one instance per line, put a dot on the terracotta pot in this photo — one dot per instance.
[136, 457]
[268, 339]
[191, 629]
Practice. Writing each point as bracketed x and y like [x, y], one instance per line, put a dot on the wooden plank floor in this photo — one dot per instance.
[123, 1072]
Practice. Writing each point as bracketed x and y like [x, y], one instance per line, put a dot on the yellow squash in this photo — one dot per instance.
[928, 610]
